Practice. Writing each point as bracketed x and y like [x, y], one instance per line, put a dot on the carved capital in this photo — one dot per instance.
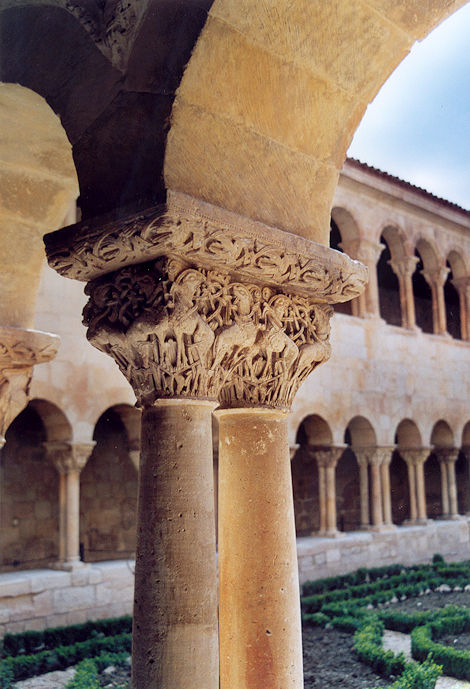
[404, 267]
[447, 455]
[368, 455]
[363, 250]
[384, 454]
[326, 455]
[176, 330]
[462, 285]
[195, 301]
[69, 456]
[20, 351]
[436, 277]
[415, 455]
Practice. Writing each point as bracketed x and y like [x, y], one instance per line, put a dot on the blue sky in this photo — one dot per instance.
[418, 126]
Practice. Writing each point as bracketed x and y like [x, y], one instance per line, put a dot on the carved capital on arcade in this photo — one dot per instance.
[20, 351]
[326, 455]
[194, 301]
[447, 455]
[384, 454]
[405, 266]
[415, 455]
[436, 277]
[69, 456]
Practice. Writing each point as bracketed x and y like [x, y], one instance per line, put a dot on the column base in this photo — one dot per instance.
[329, 534]
[69, 565]
[451, 517]
[417, 522]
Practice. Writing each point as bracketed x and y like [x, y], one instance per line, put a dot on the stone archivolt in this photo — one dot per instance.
[181, 331]
[20, 350]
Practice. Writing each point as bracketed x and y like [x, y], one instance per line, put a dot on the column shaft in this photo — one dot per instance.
[453, 508]
[322, 497]
[444, 489]
[376, 494]
[421, 491]
[62, 517]
[331, 499]
[364, 490]
[72, 519]
[259, 623]
[412, 488]
[387, 503]
[175, 610]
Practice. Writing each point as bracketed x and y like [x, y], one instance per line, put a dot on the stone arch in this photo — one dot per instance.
[408, 435]
[39, 184]
[29, 531]
[305, 60]
[452, 296]
[56, 424]
[442, 435]
[314, 430]
[108, 487]
[360, 433]
[348, 492]
[347, 225]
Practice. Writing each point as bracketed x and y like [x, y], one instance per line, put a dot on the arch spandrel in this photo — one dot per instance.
[272, 96]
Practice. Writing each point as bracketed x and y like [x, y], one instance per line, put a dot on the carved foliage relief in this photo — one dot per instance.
[176, 330]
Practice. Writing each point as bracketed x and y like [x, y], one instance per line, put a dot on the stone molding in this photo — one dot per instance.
[20, 351]
[404, 267]
[212, 238]
[176, 330]
[69, 456]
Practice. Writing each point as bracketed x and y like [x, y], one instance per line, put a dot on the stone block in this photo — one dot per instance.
[56, 620]
[72, 599]
[104, 594]
[49, 579]
[43, 604]
[14, 586]
[95, 575]
[80, 576]
[333, 555]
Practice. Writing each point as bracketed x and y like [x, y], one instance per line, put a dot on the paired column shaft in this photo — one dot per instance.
[69, 459]
[447, 457]
[175, 610]
[415, 458]
[326, 457]
[260, 629]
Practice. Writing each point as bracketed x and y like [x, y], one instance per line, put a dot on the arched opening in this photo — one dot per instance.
[422, 295]
[389, 289]
[432, 480]
[442, 435]
[108, 490]
[408, 435]
[347, 492]
[29, 488]
[452, 297]
[335, 243]
[360, 433]
[399, 489]
[314, 431]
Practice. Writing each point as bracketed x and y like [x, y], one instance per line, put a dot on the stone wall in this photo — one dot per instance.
[323, 557]
[47, 598]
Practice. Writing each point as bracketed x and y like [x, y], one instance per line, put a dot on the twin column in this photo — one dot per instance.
[376, 512]
[199, 308]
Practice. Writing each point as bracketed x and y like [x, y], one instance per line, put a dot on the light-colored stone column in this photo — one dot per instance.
[69, 458]
[210, 305]
[20, 351]
[260, 639]
[436, 280]
[462, 285]
[404, 270]
[362, 460]
[415, 458]
[369, 456]
[376, 494]
[447, 457]
[385, 457]
[368, 253]
[327, 457]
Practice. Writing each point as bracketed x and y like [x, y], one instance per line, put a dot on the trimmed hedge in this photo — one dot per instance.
[23, 666]
[32, 642]
[368, 647]
[423, 642]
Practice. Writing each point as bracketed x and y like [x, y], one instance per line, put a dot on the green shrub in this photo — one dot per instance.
[86, 676]
[437, 559]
